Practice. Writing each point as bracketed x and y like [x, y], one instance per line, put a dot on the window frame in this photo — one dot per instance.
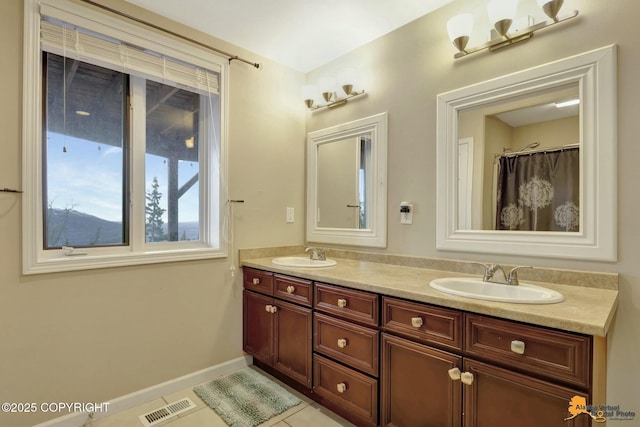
[212, 196]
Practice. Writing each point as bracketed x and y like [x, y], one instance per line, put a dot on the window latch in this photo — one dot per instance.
[71, 251]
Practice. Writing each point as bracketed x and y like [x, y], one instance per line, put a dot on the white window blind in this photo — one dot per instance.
[70, 41]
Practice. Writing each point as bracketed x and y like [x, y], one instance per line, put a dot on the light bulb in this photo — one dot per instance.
[347, 79]
[551, 7]
[308, 93]
[327, 87]
[459, 28]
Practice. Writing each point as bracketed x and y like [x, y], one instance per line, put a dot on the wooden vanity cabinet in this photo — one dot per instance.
[506, 373]
[380, 360]
[275, 331]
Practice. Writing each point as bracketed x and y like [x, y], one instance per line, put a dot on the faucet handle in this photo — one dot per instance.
[513, 274]
[488, 270]
[317, 253]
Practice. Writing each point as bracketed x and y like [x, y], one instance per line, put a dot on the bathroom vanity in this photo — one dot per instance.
[373, 342]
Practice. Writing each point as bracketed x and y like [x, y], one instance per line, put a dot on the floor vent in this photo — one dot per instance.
[166, 412]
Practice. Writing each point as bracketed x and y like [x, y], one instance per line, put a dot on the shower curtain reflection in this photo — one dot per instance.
[539, 191]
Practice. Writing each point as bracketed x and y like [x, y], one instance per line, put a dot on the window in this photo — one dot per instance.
[84, 154]
[123, 143]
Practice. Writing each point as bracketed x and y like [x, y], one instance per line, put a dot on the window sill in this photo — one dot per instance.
[90, 262]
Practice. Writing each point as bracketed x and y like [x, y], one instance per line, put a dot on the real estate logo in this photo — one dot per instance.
[599, 413]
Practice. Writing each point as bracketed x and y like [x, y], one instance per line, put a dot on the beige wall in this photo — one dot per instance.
[96, 335]
[405, 70]
[91, 336]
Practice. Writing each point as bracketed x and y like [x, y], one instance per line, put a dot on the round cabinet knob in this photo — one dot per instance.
[267, 308]
[342, 302]
[342, 343]
[342, 387]
[517, 346]
[291, 289]
[255, 281]
[417, 322]
[274, 309]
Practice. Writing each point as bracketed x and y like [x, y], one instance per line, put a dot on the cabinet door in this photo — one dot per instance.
[292, 341]
[500, 398]
[257, 326]
[416, 388]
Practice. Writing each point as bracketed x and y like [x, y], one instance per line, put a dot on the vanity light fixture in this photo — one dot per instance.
[502, 13]
[328, 93]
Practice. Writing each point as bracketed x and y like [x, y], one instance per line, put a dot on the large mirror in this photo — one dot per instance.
[521, 172]
[346, 183]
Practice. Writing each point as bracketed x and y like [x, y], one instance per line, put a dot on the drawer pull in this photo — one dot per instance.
[454, 373]
[517, 346]
[466, 378]
[342, 303]
[291, 289]
[342, 343]
[342, 387]
[255, 281]
[417, 322]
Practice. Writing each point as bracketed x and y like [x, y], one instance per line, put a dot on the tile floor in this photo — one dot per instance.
[308, 413]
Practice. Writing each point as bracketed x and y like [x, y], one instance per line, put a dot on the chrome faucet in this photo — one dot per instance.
[491, 269]
[318, 254]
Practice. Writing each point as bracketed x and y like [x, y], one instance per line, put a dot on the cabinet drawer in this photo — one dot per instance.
[258, 280]
[293, 289]
[346, 342]
[357, 306]
[554, 354]
[422, 322]
[349, 390]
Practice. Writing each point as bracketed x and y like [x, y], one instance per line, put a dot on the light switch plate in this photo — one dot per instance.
[290, 215]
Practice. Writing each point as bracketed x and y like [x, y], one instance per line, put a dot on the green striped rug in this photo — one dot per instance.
[245, 398]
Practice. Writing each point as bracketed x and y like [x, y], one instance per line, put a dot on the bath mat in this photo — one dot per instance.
[245, 398]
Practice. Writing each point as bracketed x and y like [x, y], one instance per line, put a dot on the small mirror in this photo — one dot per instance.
[520, 174]
[343, 182]
[346, 183]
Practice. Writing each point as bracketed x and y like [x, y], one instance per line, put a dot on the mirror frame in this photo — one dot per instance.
[595, 72]
[376, 234]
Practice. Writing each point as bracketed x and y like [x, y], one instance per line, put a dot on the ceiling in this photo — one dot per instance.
[301, 34]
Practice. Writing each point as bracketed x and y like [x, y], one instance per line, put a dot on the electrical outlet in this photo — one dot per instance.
[406, 213]
[290, 215]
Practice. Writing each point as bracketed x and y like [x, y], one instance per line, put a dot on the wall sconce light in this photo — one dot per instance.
[502, 14]
[328, 92]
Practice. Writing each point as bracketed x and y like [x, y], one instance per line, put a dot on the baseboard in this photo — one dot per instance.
[78, 419]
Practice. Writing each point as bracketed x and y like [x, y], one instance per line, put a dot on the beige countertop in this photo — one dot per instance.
[586, 310]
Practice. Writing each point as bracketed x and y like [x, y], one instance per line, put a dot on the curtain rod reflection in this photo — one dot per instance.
[540, 150]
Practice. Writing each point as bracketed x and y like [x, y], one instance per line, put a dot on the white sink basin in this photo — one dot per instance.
[305, 262]
[477, 289]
